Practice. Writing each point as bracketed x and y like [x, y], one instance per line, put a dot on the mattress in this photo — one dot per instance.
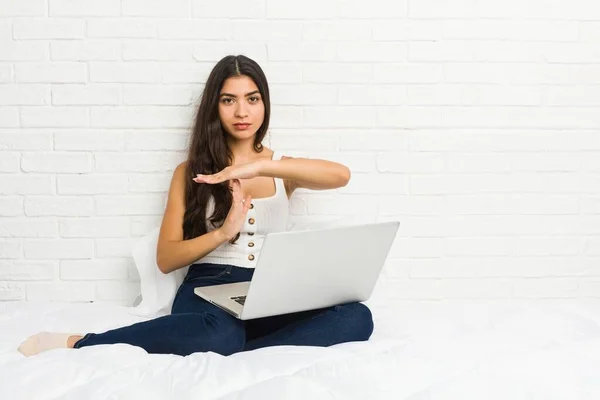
[471, 349]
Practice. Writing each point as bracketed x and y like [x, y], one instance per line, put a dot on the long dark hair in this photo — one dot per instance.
[208, 152]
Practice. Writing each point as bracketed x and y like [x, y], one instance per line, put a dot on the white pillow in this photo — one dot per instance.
[158, 290]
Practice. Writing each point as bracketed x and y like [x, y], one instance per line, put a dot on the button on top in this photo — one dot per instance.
[251, 221]
[251, 257]
[251, 205]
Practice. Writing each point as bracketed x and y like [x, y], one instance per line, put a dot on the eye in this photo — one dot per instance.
[254, 99]
[225, 100]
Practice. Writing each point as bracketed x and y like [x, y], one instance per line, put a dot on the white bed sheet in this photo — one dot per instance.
[459, 350]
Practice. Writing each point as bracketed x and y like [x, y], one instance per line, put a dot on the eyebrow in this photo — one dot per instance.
[232, 95]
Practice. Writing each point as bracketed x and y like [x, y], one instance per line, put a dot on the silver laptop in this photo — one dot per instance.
[308, 269]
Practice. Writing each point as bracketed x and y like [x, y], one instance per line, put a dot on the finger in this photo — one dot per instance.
[237, 187]
[237, 192]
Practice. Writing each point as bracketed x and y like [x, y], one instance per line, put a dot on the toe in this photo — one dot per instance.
[29, 347]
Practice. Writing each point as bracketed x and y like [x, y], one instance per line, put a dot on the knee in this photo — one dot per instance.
[229, 343]
[359, 320]
[224, 337]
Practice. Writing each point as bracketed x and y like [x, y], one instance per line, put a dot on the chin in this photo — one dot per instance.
[244, 134]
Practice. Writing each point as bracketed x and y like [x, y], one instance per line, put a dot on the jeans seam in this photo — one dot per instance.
[220, 274]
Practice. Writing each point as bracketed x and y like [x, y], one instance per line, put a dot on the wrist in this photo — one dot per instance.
[264, 168]
[221, 236]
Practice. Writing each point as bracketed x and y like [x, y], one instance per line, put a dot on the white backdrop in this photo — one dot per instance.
[472, 122]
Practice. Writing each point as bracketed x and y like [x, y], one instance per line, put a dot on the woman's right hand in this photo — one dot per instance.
[237, 213]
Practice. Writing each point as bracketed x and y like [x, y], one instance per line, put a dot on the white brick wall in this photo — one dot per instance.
[473, 122]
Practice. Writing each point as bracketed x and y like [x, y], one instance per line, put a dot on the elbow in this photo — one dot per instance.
[346, 175]
[163, 269]
[160, 263]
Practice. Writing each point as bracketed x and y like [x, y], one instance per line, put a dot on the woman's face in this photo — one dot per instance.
[241, 102]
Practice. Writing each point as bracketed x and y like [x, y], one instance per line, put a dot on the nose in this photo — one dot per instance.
[240, 110]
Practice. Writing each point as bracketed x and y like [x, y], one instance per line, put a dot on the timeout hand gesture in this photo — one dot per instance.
[240, 171]
[237, 213]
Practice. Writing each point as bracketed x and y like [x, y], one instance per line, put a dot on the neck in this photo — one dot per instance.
[242, 150]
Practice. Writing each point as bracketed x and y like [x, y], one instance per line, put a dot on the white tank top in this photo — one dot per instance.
[267, 214]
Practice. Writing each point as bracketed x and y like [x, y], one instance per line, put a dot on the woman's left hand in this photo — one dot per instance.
[240, 171]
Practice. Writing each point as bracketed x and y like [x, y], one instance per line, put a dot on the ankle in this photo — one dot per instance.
[72, 340]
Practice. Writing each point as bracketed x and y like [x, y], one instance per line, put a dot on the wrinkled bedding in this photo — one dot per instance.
[470, 349]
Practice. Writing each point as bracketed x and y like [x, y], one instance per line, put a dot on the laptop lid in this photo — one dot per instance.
[317, 268]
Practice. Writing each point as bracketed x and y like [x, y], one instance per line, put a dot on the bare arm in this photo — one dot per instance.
[172, 251]
[172, 255]
[307, 173]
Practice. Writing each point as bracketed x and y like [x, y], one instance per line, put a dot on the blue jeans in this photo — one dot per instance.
[195, 325]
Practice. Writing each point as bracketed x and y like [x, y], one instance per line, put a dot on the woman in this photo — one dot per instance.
[217, 223]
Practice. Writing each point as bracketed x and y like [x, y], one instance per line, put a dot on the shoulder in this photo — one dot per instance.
[179, 173]
[180, 168]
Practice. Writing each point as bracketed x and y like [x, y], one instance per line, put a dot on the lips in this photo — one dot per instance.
[241, 127]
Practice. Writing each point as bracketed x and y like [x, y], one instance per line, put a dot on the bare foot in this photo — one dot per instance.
[72, 340]
[45, 341]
